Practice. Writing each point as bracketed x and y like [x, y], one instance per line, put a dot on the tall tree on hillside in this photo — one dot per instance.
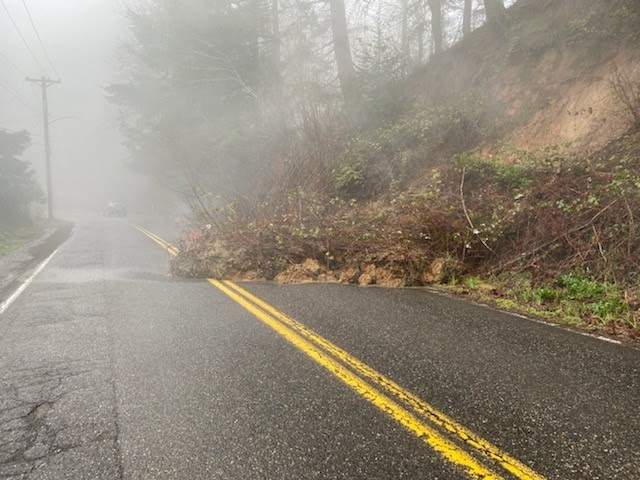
[466, 17]
[344, 61]
[420, 29]
[496, 12]
[195, 77]
[436, 25]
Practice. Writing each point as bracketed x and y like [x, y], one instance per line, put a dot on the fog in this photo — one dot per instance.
[210, 98]
[88, 156]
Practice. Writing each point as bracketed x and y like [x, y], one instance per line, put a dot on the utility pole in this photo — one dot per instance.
[44, 83]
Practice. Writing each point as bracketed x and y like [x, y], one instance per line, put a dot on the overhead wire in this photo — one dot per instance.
[18, 97]
[12, 64]
[18, 69]
[46, 54]
[22, 36]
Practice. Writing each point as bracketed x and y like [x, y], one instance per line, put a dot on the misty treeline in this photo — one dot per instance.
[18, 186]
[221, 96]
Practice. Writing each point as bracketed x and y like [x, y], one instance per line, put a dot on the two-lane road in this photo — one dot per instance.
[112, 369]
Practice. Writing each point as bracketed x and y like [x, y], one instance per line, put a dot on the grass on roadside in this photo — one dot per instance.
[12, 238]
[574, 299]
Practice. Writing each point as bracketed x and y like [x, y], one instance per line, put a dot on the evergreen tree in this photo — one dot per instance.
[18, 186]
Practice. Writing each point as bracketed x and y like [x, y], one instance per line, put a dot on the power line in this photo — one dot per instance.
[18, 97]
[21, 36]
[6, 59]
[46, 54]
[12, 64]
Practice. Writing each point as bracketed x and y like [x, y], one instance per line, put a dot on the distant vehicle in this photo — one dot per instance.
[115, 209]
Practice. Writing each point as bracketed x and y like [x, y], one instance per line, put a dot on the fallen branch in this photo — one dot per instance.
[553, 240]
[466, 213]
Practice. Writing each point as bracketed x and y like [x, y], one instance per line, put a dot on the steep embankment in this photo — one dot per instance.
[549, 75]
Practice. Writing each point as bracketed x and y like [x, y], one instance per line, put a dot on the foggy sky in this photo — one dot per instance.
[87, 152]
[88, 157]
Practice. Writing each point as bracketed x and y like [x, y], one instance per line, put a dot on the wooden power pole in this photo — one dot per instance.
[44, 83]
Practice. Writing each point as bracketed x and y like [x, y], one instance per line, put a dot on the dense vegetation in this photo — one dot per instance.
[545, 227]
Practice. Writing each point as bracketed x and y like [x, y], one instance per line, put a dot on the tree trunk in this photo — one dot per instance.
[344, 61]
[466, 17]
[420, 21]
[404, 35]
[275, 42]
[436, 25]
[496, 13]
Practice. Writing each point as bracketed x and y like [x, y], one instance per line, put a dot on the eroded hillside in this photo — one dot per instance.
[550, 75]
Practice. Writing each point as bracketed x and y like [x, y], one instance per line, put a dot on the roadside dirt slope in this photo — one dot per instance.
[549, 75]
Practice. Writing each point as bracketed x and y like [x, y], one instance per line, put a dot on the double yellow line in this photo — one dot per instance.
[478, 458]
[166, 245]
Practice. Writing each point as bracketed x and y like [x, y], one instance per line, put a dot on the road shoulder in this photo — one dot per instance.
[17, 266]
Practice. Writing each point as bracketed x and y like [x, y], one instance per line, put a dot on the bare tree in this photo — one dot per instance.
[404, 35]
[420, 27]
[436, 25]
[626, 89]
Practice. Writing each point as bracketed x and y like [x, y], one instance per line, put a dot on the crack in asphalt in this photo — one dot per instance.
[57, 386]
[113, 384]
[29, 434]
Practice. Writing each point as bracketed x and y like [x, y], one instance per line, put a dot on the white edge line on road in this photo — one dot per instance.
[551, 324]
[4, 305]
[531, 319]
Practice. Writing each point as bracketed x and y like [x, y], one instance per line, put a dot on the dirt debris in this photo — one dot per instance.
[248, 276]
[307, 271]
[349, 275]
[440, 270]
[376, 275]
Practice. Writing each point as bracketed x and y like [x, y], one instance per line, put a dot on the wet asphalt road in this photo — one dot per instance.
[110, 369]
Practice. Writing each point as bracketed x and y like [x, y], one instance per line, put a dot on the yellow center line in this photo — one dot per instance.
[419, 406]
[166, 245]
[334, 359]
[447, 449]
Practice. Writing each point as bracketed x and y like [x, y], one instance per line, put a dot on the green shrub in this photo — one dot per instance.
[546, 295]
[581, 287]
[609, 308]
[513, 176]
[348, 176]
